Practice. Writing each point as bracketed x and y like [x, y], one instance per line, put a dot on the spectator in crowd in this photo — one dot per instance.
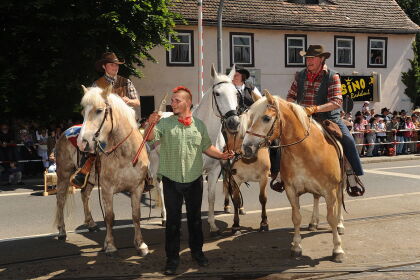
[416, 137]
[400, 136]
[385, 114]
[403, 114]
[367, 116]
[8, 151]
[365, 107]
[359, 135]
[381, 136]
[15, 174]
[53, 167]
[409, 134]
[417, 112]
[42, 150]
[371, 136]
[391, 128]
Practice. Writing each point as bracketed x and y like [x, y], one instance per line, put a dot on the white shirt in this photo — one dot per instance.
[241, 90]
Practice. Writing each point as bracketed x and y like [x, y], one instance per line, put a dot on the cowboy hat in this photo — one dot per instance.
[243, 72]
[417, 110]
[108, 57]
[315, 50]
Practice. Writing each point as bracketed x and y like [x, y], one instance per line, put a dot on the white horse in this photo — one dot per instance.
[217, 107]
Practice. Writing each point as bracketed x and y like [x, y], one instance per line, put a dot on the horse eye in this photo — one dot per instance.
[216, 93]
[266, 118]
[98, 111]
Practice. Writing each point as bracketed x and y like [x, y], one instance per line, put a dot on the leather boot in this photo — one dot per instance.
[80, 177]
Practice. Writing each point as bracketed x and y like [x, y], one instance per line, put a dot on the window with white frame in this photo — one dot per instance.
[242, 49]
[377, 51]
[182, 53]
[344, 51]
[294, 45]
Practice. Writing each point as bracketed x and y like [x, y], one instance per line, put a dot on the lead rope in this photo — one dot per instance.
[98, 172]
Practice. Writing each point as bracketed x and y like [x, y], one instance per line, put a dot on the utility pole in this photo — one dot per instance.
[219, 37]
[200, 51]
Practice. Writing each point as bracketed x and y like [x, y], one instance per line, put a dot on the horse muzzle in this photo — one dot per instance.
[249, 151]
[232, 123]
[86, 146]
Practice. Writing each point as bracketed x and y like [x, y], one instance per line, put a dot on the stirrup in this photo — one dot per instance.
[72, 179]
[277, 186]
[356, 190]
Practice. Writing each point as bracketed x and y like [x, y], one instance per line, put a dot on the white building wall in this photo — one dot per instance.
[269, 51]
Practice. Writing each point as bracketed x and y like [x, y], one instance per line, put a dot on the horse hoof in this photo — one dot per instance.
[263, 228]
[163, 223]
[95, 228]
[236, 231]
[62, 237]
[338, 257]
[296, 254]
[112, 254]
[227, 210]
[242, 212]
[340, 230]
[312, 227]
[215, 233]
[143, 250]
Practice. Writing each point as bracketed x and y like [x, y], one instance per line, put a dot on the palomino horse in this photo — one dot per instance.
[256, 169]
[217, 108]
[309, 161]
[109, 127]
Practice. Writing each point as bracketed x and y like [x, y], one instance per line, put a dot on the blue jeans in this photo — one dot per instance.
[400, 146]
[350, 150]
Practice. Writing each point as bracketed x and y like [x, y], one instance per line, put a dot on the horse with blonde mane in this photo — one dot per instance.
[310, 162]
[110, 130]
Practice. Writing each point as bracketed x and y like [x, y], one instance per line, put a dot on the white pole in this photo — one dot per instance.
[200, 51]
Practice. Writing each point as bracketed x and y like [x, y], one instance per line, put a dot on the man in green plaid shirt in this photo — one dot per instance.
[183, 140]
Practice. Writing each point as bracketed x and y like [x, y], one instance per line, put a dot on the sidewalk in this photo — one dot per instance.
[389, 159]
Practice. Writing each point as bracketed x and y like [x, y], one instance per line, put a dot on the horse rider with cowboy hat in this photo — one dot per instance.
[318, 90]
[109, 65]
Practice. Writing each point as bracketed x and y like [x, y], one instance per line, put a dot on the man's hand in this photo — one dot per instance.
[227, 155]
[213, 152]
[310, 110]
[153, 118]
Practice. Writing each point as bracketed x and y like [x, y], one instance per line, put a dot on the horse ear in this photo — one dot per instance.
[255, 96]
[232, 72]
[213, 71]
[270, 98]
[84, 89]
[107, 91]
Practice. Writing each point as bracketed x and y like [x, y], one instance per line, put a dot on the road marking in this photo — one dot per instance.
[397, 167]
[154, 222]
[19, 193]
[395, 174]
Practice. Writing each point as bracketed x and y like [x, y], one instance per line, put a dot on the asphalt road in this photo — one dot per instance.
[26, 213]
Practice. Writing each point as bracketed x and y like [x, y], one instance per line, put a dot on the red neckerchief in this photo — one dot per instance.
[186, 121]
[312, 76]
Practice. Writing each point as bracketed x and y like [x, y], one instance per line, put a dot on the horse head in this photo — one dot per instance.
[225, 99]
[262, 125]
[102, 113]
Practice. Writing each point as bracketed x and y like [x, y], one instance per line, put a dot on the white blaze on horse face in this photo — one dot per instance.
[80, 143]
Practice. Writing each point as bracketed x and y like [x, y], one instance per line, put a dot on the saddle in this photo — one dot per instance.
[332, 128]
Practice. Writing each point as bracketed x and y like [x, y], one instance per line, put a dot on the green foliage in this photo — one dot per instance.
[50, 46]
[411, 78]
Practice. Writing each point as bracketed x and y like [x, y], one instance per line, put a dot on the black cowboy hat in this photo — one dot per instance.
[108, 57]
[243, 72]
[315, 50]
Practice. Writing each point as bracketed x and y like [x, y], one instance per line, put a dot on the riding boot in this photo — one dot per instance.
[275, 156]
[80, 177]
[354, 186]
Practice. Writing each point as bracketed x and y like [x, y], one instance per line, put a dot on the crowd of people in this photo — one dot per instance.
[27, 148]
[386, 133]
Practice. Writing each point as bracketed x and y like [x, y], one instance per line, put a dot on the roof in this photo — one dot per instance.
[366, 16]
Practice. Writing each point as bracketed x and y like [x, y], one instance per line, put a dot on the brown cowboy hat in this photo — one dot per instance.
[108, 57]
[315, 50]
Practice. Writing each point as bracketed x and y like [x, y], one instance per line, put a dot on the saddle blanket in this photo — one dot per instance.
[72, 133]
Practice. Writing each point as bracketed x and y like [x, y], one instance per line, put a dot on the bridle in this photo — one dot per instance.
[266, 142]
[228, 114]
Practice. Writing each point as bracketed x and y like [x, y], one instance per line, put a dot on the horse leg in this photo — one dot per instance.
[263, 201]
[313, 225]
[139, 244]
[62, 192]
[340, 226]
[85, 194]
[296, 250]
[333, 218]
[107, 200]
[226, 192]
[236, 200]
[162, 202]
[211, 184]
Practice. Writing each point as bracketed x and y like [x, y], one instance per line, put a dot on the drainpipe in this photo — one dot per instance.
[200, 51]
[219, 37]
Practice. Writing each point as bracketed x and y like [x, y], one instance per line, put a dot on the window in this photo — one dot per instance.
[182, 54]
[344, 51]
[242, 49]
[294, 45]
[377, 51]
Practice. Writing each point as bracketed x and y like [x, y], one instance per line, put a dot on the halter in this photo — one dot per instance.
[229, 114]
[108, 110]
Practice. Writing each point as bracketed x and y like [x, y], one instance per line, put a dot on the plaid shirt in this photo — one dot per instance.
[181, 148]
[311, 89]
[131, 90]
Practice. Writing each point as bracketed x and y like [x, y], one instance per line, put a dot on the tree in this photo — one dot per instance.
[411, 78]
[50, 46]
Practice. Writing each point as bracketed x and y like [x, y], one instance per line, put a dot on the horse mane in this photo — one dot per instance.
[300, 114]
[94, 97]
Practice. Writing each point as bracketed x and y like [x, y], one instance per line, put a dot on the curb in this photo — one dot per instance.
[389, 159]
